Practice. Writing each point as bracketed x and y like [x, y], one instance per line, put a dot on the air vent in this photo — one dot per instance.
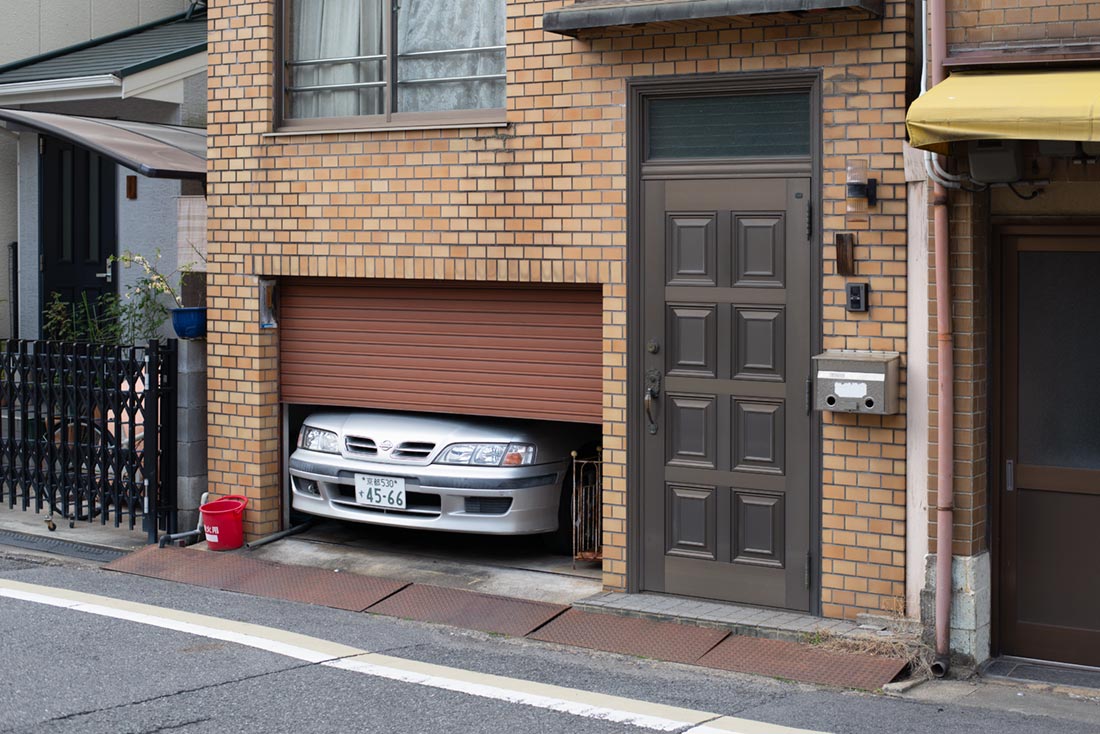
[358, 445]
[413, 450]
[488, 505]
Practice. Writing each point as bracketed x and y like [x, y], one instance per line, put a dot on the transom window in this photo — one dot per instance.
[747, 125]
[394, 61]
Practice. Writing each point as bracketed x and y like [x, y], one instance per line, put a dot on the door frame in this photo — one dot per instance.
[1002, 228]
[638, 92]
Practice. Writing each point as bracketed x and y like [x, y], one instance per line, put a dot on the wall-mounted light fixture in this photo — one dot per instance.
[861, 191]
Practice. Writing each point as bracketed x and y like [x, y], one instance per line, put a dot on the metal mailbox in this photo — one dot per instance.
[856, 382]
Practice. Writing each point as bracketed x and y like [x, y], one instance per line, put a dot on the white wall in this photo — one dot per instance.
[32, 27]
[9, 224]
[147, 225]
[28, 237]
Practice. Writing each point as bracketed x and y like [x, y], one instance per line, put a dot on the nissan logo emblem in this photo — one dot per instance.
[386, 445]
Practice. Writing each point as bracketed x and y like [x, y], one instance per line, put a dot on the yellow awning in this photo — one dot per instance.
[1033, 105]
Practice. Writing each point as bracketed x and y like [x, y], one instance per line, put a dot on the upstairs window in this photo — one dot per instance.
[356, 63]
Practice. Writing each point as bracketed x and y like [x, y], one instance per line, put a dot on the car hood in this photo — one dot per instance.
[553, 441]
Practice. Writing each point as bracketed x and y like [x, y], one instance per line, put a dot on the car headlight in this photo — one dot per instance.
[315, 439]
[488, 454]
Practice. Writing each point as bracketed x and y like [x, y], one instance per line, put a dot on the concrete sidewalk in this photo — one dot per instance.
[563, 624]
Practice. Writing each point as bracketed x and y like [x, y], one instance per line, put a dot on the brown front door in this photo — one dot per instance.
[1050, 493]
[726, 432]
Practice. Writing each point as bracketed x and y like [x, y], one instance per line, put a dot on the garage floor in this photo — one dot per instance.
[518, 567]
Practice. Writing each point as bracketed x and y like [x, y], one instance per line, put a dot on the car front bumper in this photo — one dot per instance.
[514, 500]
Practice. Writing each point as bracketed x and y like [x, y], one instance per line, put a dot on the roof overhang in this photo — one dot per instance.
[162, 82]
[1033, 105]
[156, 151]
[594, 14]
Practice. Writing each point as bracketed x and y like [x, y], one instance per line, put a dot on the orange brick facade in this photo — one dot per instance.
[970, 330]
[982, 24]
[544, 200]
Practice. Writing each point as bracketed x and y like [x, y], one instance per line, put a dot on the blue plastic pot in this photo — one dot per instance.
[190, 322]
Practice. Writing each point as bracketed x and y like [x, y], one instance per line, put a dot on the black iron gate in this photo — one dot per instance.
[88, 432]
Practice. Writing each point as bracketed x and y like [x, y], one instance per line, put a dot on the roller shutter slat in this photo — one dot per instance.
[526, 352]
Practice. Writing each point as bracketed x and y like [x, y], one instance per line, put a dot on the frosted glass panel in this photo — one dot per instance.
[1059, 359]
[734, 126]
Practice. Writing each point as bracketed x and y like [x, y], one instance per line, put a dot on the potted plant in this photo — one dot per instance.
[188, 321]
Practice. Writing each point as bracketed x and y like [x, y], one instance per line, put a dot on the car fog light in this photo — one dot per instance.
[307, 486]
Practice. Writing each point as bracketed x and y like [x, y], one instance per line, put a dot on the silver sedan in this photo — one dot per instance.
[436, 472]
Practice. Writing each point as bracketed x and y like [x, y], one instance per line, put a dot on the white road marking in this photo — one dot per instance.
[655, 717]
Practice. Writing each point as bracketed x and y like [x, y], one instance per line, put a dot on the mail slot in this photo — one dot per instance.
[856, 382]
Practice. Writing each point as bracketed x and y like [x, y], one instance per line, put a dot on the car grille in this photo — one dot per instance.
[358, 445]
[413, 450]
[488, 505]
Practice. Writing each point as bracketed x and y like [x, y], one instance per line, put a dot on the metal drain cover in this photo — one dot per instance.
[60, 547]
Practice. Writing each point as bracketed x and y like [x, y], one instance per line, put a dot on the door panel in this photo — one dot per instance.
[727, 324]
[1050, 499]
[78, 221]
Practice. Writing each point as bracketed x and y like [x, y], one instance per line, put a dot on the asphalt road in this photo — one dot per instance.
[98, 669]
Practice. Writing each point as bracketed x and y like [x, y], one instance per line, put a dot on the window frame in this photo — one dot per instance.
[388, 120]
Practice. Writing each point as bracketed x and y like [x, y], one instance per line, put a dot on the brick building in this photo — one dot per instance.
[1013, 116]
[682, 173]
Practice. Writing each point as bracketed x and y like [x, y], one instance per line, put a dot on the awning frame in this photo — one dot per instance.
[143, 147]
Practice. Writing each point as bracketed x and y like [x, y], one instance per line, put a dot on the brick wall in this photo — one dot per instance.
[982, 24]
[543, 200]
[969, 235]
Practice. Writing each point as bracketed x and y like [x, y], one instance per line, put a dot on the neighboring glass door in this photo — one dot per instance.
[1050, 493]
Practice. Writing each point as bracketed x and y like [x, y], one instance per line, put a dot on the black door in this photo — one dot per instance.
[1050, 443]
[726, 433]
[77, 221]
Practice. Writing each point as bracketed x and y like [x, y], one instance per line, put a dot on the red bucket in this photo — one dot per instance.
[222, 522]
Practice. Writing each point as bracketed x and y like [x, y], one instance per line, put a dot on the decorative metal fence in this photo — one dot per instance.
[587, 507]
[88, 432]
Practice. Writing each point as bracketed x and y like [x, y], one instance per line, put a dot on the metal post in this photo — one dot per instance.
[152, 439]
[169, 418]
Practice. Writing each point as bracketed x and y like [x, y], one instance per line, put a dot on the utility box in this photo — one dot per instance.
[856, 382]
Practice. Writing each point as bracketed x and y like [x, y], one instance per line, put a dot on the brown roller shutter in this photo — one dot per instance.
[517, 351]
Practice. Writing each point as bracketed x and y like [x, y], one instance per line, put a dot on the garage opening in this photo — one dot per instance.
[498, 355]
[470, 349]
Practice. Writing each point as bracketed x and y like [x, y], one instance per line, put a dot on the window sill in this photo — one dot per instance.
[323, 128]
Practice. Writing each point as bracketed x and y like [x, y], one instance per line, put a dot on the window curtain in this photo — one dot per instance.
[324, 29]
[436, 25]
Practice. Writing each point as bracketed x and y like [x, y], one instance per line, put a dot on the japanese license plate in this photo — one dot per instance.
[386, 493]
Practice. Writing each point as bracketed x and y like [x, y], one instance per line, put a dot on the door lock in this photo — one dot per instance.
[652, 346]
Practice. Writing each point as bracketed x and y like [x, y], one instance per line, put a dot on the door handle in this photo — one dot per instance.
[649, 395]
[1010, 475]
[105, 275]
[652, 391]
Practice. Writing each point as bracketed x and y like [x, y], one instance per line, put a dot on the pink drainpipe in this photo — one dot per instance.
[945, 432]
